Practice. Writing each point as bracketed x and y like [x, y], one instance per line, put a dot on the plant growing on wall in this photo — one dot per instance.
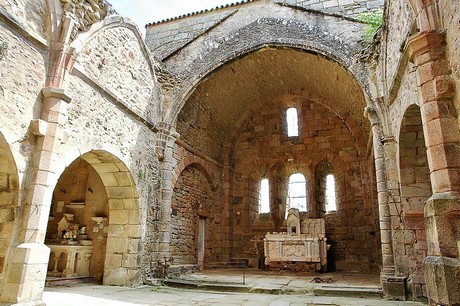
[373, 20]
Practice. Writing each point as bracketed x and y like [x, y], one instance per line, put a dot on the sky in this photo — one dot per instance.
[147, 11]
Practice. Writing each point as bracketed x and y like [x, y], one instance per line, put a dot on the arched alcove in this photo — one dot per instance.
[415, 183]
[95, 220]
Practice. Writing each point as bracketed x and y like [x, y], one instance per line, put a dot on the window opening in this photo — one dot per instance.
[297, 192]
[264, 197]
[292, 122]
[330, 193]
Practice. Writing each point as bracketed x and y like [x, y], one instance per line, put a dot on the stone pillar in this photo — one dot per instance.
[26, 272]
[442, 139]
[384, 148]
[227, 214]
[167, 138]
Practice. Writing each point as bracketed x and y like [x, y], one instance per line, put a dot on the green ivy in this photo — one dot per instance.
[374, 21]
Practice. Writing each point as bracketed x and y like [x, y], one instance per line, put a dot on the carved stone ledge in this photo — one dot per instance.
[424, 42]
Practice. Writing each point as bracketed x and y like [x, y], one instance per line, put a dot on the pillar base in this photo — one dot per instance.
[394, 287]
[442, 276]
[26, 275]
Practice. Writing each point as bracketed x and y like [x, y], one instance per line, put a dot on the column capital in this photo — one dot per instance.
[54, 92]
[425, 43]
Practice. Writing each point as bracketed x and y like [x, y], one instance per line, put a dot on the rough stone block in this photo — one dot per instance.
[116, 276]
[394, 288]
[119, 216]
[442, 275]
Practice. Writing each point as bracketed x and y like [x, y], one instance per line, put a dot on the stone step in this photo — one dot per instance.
[349, 291]
[64, 281]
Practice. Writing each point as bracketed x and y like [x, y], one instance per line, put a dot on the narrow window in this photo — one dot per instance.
[297, 192]
[264, 197]
[330, 193]
[291, 118]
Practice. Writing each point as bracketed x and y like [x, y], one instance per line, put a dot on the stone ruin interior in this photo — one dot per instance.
[264, 134]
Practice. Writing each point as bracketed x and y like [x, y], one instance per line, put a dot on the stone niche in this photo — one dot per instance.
[302, 248]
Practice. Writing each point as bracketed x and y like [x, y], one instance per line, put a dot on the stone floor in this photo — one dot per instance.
[292, 290]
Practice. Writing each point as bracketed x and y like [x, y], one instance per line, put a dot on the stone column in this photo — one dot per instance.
[442, 139]
[384, 148]
[26, 271]
[167, 138]
[227, 213]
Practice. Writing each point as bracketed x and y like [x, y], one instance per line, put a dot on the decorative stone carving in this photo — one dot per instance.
[304, 242]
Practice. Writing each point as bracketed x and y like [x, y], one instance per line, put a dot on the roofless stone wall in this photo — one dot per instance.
[166, 36]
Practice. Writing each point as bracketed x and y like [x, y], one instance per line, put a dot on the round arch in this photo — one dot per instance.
[9, 193]
[97, 191]
[259, 28]
[357, 73]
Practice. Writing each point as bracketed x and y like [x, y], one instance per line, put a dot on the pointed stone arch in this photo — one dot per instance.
[102, 183]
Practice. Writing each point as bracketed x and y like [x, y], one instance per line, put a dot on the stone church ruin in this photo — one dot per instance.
[264, 132]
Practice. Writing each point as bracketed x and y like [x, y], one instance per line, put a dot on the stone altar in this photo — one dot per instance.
[71, 252]
[302, 247]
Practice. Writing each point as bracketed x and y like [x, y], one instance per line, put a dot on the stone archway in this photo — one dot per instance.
[97, 192]
[415, 190]
[9, 188]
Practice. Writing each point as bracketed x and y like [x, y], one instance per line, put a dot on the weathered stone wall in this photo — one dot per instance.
[264, 150]
[450, 20]
[22, 71]
[115, 59]
[262, 24]
[115, 108]
[193, 198]
[400, 20]
[349, 8]
[29, 14]
[165, 37]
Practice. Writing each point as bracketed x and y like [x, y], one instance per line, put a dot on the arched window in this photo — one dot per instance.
[292, 126]
[264, 196]
[330, 193]
[297, 192]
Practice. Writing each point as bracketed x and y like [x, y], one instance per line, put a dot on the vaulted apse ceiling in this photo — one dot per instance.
[212, 112]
